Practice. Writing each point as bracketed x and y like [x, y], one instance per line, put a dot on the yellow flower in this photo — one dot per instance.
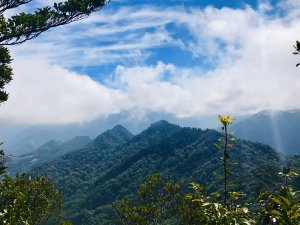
[225, 120]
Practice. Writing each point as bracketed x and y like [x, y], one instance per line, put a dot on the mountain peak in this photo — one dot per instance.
[116, 135]
[163, 124]
[119, 128]
[160, 129]
[160, 123]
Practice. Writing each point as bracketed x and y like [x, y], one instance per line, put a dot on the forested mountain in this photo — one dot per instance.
[279, 129]
[115, 163]
[46, 152]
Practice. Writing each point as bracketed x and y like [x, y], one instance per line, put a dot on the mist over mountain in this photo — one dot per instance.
[279, 129]
[22, 139]
[48, 151]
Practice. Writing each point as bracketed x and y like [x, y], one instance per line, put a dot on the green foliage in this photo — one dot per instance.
[5, 72]
[154, 203]
[200, 208]
[28, 201]
[26, 26]
[288, 173]
[283, 206]
[159, 201]
[2, 161]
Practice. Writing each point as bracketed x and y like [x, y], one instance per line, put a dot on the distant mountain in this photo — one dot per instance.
[116, 162]
[44, 153]
[279, 129]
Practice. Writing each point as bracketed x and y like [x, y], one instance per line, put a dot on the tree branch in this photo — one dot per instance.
[26, 26]
[5, 5]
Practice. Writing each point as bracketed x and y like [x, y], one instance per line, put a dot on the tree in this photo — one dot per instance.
[28, 201]
[155, 203]
[2, 161]
[161, 202]
[24, 200]
[26, 26]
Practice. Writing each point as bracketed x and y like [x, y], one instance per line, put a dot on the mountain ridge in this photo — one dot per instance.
[99, 175]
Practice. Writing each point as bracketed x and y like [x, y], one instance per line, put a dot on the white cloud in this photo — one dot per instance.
[255, 69]
[45, 94]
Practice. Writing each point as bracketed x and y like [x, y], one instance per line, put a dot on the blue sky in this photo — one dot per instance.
[166, 53]
[184, 58]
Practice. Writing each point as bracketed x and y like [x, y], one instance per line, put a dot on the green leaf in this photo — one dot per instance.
[276, 212]
[286, 202]
[218, 147]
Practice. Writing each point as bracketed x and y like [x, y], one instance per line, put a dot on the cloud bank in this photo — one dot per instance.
[46, 94]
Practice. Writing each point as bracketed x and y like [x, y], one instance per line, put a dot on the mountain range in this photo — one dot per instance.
[22, 139]
[279, 129]
[116, 162]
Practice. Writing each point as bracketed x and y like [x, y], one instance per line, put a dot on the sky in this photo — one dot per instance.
[179, 57]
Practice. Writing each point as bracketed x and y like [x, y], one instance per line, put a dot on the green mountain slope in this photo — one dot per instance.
[96, 176]
[189, 155]
[77, 169]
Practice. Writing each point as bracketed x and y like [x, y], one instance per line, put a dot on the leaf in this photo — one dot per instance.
[217, 194]
[286, 202]
[276, 212]
[295, 215]
[218, 147]
[279, 203]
